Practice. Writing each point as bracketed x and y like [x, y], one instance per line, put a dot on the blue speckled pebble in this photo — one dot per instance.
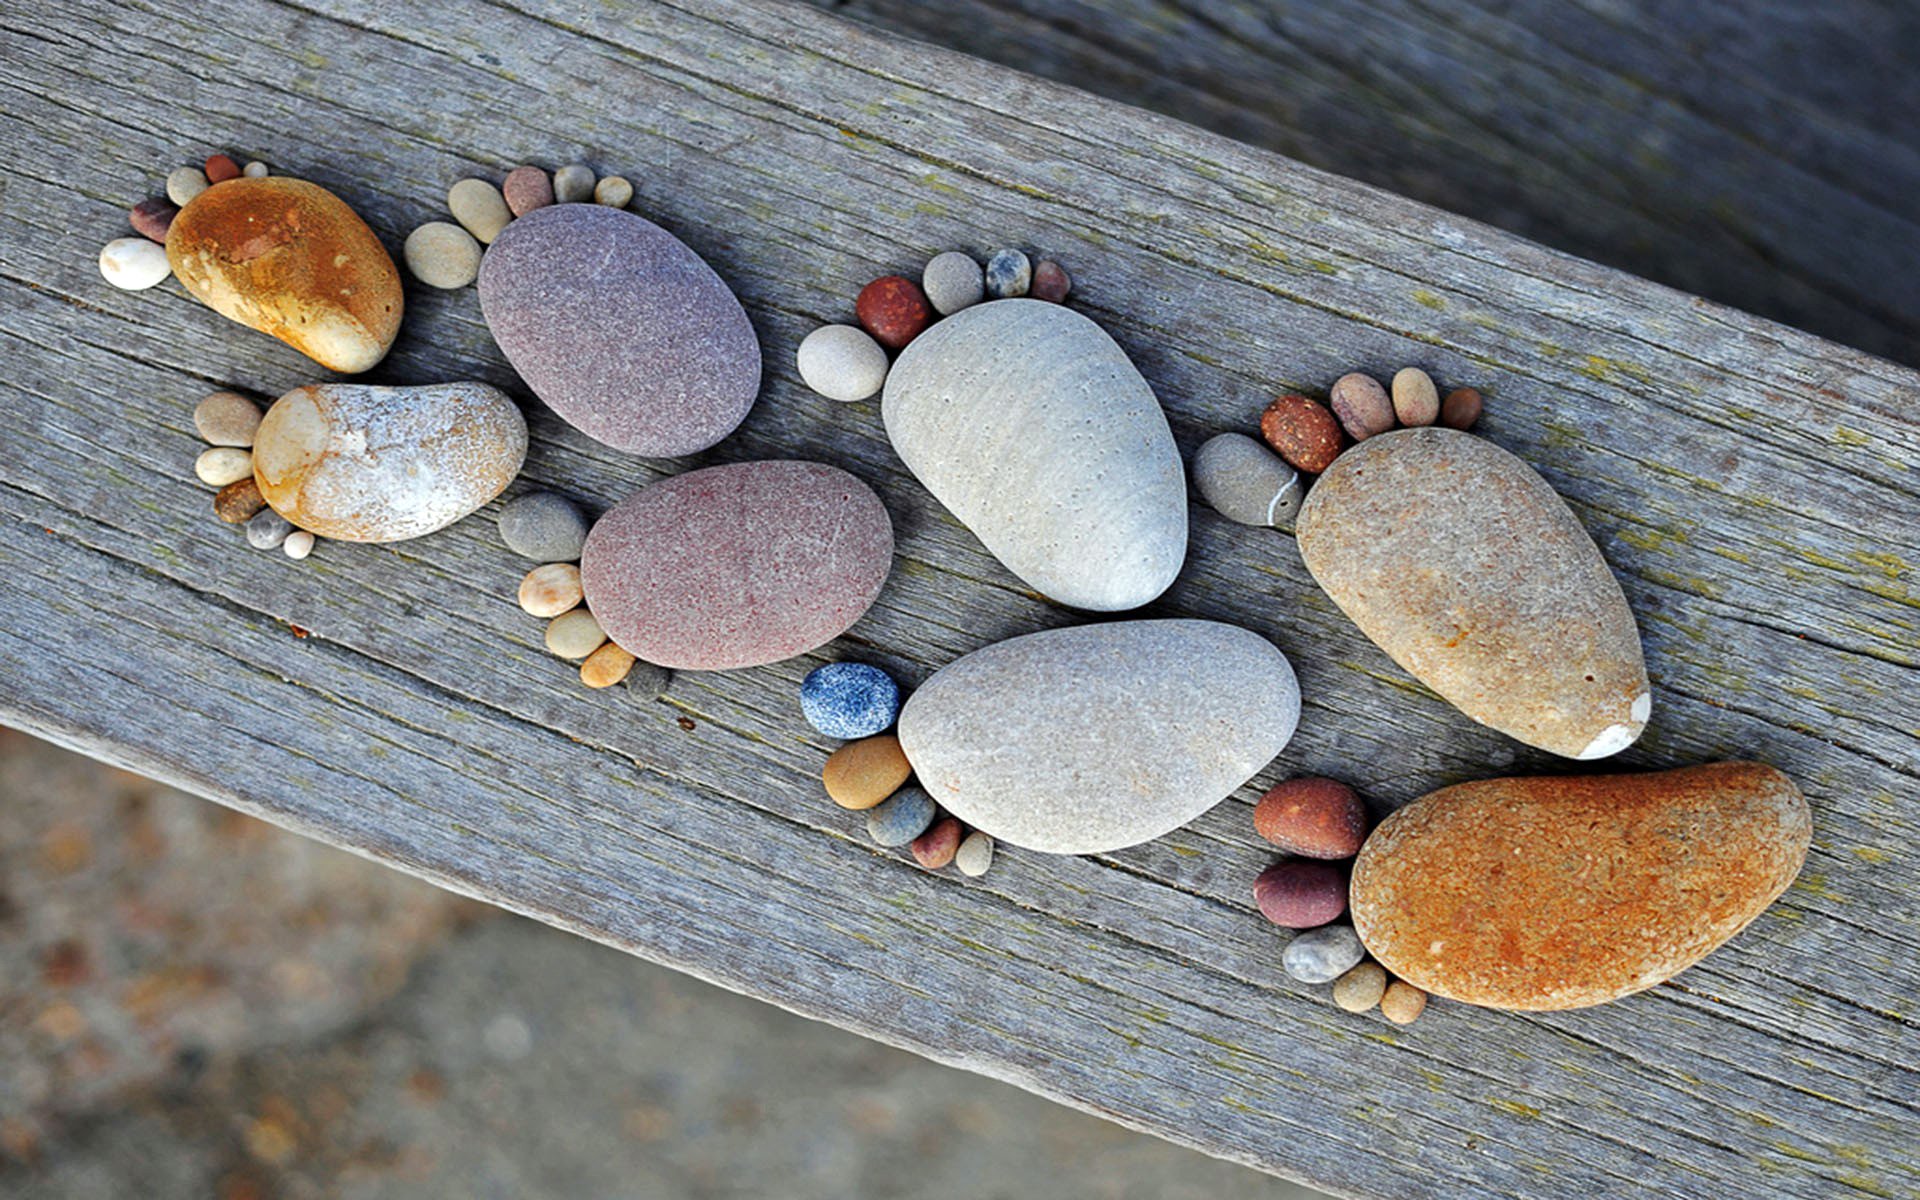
[901, 817]
[1009, 274]
[1323, 955]
[849, 700]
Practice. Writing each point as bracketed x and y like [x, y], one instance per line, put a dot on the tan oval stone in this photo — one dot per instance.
[290, 259]
[1466, 567]
[361, 463]
[861, 774]
[1551, 893]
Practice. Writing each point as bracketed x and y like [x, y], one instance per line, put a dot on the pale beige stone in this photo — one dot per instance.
[550, 590]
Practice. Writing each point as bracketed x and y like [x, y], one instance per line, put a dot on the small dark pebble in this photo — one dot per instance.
[1050, 282]
[1460, 409]
[237, 502]
[153, 217]
[1301, 893]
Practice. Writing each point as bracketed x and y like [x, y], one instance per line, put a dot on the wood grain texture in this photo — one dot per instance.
[1752, 486]
[1760, 154]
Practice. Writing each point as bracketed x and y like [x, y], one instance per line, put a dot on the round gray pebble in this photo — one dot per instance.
[1009, 273]
[226, 419]
[842, 362]
[901, 817]
[573, 184]
[443, 255]
[543, 526]
[613, 191]
[952, 281]
[1323, 955]
[184, 183]
[255, 170]
[975, 854]
[266, 529]
[647, 681]
[1246, 482]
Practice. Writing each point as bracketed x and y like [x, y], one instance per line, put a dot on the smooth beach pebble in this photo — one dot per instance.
[1312, 816]
[648, 681]
[953, 281]
[525, 189]
[606, 666]
[1415, 400]
[1301, 893]
[184, 183]
[575, 634]
[1361, 404]
[1050, 282]
[255, 170]
[1323, 955]
[894, 310]
[543, 526]
[237, 502]
[1303, 432]
[1246, 482]
[152, 218]
[220, 168]
[480, 207]
[849, 700]
[1402, 1003]
[134, 264]
[267, 530]
[975, 855]
[443, 255]
[861, 774]
[613, 191]
[901, 817]
[1461, 410]
[841, 362]
[223, 465]
[936, 847]
[1009, 274]
[226, 419]
[299, 544]
[550, 590]
[573, 184]
[1361, 988]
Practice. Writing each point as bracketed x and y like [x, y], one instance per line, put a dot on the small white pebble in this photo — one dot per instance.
[134, 264]
[575, 634]
[184, 183]
[613, 191]
[255, 170]
[299, 544]
[975, 854]
[223, 465]
[548, 591]
[842, 362]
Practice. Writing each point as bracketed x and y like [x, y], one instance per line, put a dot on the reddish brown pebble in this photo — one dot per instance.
[237, 502]
[936, 847]
[1403, 1003]
[1362, 405]
[527, 188]
[220, 168]
[1303, 432]
[894, 310]
[152, 218]
[1461, 410]
[1320, 818]
[1050, 283]
[1301, 893]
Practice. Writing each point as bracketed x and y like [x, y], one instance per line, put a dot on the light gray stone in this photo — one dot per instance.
[267, 529]
[480, 207]
[953, 281]
[573, 184]
[901, 817]
[185, 183]
[842, 362]
[1030, 424]
[1246, 482]
[226, 419]
[543, 526]
[1097, 737]
[443, 255]
[975, 855]
[1323, 955]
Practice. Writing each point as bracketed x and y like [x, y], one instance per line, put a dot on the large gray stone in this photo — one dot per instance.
[1098, 737]
[1030, 424]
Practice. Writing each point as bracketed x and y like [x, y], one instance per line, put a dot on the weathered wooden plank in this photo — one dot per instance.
[1752, 486]
[1756, 153]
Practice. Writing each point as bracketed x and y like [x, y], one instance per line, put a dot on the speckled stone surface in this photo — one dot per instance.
[361, 463]
[1009, 274]
[1246, 482]
[1096, 737]
[1322, 955]
[1029, 423]
[901, 817]
[1551, 893]
[737, 565]
[952, 281]
[543, 526]
[849, 700]
[1312, 816]
[620, 328]
[1461, 563]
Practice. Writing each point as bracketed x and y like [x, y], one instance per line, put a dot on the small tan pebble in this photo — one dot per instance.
[223, 465]
[861, 774]
[975, 854]
[1361, 988]
[237, 502]
[573, 184]
[227, 419]
[527, 188]
[606, 666]
[443, 255]
[575, 634]
[936, 847]
[134, 264]
[1415, 400]
[480, 207]
[1461, 410]
[255, 170]
[220, 168]
[299, 544]
[1403, 1003]
[1050, 282]
[613, 191]
[1362, 405]
[550, 590]
[184, 183]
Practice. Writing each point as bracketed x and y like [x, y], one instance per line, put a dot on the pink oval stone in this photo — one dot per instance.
[737, 565]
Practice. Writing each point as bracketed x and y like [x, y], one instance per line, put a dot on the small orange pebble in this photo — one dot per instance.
[606, 666]
[1303, 432]
[894, 310]
[1403, 1003]
[936, 847]
[220, 168]
[861, 774]
[1313, 816]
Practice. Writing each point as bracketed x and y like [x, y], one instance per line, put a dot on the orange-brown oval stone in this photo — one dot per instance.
[1551, 893]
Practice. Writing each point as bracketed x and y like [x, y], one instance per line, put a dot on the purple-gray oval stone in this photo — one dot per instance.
[620, 328]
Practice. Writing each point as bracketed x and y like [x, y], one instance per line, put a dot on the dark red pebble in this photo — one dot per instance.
[936, 847]
[894, 310]
[220, 168]
[1050, 283]
[152, 218]
[1301, 893]
[1320, 818]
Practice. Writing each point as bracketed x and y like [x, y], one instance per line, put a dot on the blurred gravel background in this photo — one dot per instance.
[196, 1004]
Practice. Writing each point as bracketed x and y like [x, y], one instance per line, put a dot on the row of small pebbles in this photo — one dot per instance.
[227, 421]
[134, 264]
[445, 255]
[551, 530]
[848, 363]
